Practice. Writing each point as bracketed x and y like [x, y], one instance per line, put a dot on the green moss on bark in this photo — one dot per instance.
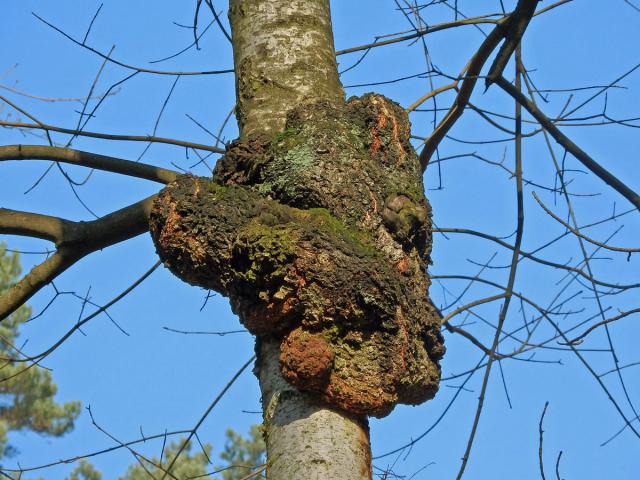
[320, 236]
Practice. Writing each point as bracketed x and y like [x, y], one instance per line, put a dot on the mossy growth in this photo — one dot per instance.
[320, 236]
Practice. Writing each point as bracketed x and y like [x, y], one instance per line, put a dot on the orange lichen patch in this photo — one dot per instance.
[396, 138]
[172, 234]
[276, 314]
[196, 185]
[375, 131]
[376, 142]
[384, 116]
[306, 359]
[287, 305]
[373, 209]
[170, 228]
[261, 320]
[402, 332]
[298, 280]
[403, 264]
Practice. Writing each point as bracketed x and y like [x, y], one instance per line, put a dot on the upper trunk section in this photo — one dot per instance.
[284, 55]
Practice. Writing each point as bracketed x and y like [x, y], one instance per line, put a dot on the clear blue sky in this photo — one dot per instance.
[152, 379]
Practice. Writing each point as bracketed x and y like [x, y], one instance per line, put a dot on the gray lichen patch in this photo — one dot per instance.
[320, 236]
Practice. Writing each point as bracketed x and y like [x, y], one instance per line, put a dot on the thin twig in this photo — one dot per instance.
[87, 159]
[577, 340]
[580, 234]
[571, 147]
[206, 414]
[122, 64]
[107, 136]
[540, 438]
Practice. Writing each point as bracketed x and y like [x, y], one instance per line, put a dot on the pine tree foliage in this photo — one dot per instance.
[244, 454]
[189, 465]
[27, 400]
[241, 456]
[85, 471]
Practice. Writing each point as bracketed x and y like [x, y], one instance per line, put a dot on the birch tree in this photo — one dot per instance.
[316, 226]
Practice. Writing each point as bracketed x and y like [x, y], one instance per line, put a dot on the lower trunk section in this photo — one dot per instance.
[306, 439]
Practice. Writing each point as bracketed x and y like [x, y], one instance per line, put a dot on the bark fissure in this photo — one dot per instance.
[316, 227]
[320, 237]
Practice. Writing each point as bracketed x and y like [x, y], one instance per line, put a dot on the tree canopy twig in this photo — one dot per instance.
[87, 159]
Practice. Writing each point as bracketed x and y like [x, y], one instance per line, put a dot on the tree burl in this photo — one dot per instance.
[320, 236]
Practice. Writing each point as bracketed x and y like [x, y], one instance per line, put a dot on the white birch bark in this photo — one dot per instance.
[305, 439]
[283, 55]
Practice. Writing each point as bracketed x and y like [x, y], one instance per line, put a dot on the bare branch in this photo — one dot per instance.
[108, 136]
[422, 32]
[26, 224]
[73, 239]
[571, 147]
[464, 308]
[579, 338]
[53, 99]
[513, 31]
[38, 277]
[558, 465]
[577, 233]
[472, 72]
[519, 19]
[432, 93]
[124, 65]
[536, 259]
[508, 292]
[472, 339]
[540, 436]
[207, 412]
[114, 448]
[87, 159]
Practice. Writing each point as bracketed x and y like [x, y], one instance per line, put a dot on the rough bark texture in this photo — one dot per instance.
[284, 55]
[316, 227]
[320, 237]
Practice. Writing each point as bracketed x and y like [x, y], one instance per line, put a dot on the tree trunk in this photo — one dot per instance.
[284, 56]
[316, 227]
[305, 439]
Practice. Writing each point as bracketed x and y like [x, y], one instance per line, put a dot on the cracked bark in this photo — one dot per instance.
[316, 227]
[304, 439]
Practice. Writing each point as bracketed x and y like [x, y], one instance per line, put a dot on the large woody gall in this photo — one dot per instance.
[320, 237]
